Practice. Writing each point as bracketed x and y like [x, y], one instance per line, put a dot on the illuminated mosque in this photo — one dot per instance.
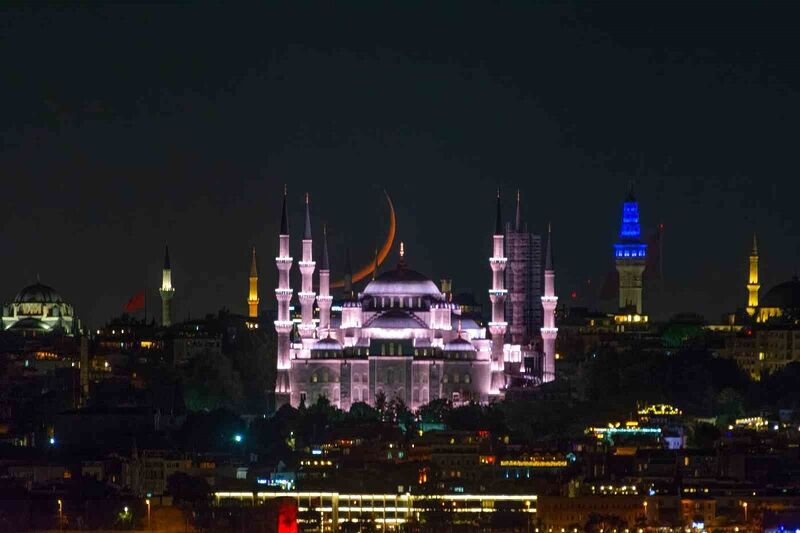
[39, 309]
[780, 302]
[400, 337]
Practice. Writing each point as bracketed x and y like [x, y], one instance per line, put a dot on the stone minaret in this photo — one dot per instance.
[497, 295]
[307, 266]
[549, 300]
[283, 325]
[629, 254]
[166, 291]
[252, 295]
[324, 299]
[752, 280]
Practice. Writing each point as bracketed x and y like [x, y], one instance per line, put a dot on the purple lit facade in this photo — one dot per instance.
[399, 336]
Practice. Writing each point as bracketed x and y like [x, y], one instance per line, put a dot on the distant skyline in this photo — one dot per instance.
[127, 127]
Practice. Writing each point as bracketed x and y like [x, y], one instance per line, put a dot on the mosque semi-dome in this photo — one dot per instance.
[327, 344]
[459, 344]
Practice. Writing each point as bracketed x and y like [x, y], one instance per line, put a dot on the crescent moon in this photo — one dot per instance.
[365, 271]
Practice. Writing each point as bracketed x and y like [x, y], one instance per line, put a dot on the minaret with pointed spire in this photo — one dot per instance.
[497, 295]
[252, 294]
[630, 256]
[283, 325]
[752, 280]
[324, 299]
[167, 291]
[307, 266]
[549, 300]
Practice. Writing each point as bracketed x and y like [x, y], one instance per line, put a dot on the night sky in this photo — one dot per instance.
[123, 128]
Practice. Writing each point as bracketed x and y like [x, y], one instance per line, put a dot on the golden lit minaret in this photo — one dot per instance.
[252, 295]
[752, 280]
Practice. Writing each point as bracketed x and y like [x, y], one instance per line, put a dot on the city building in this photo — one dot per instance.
[38, 309]
[399, 337]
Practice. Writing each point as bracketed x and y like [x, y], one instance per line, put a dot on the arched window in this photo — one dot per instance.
[467, 379]
[390, 376]
[325, 376]
[391, 348]
[314, 378]
[445, 379]
[456, 378]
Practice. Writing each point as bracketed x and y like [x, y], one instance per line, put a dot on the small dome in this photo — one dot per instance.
[327, 344]
[459, 344]
[402, 282]
[38, 293]
[783, 296]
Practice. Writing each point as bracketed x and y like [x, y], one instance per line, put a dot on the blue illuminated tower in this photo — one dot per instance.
[630, 254]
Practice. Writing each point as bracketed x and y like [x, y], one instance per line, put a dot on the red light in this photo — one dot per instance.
[574, 295]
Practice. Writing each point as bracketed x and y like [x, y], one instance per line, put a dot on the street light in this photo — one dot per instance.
[147, 501]
[237, 438]
[60, 515]
[745, 511]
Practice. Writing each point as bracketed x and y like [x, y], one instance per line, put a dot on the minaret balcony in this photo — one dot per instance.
[283, 295]
[284, 326]
[498, 328]
[306, 330]
[306, 297]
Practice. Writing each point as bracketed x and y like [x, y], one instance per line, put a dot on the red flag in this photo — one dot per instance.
[135, 303]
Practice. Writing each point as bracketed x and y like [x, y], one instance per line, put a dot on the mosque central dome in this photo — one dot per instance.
[402, 282]
[783, 296]
[38, 293]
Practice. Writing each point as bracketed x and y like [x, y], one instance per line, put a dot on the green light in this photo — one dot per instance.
[237, 438]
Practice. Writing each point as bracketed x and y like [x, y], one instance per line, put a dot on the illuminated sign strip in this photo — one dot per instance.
[536, 464]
